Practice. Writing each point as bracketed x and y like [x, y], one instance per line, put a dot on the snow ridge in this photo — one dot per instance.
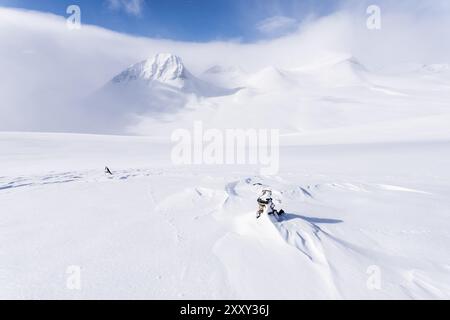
[163, 67]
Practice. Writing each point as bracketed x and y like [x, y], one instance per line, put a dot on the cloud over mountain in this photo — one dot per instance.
[47, 68]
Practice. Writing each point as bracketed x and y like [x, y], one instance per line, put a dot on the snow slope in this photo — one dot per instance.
[153, 230]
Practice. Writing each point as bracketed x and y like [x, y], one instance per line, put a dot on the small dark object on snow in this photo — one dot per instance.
[107, 171]
[265, 202]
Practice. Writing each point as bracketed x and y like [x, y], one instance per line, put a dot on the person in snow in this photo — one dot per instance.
[265, 201]
[107, 171]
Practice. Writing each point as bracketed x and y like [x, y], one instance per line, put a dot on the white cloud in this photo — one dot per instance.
[132, 7]
[48, 68]
[277, 25]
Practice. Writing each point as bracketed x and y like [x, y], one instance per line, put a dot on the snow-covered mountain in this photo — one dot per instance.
[167, 71]
[363, 158]
[337, 91]
[165, 68]
[154, 88]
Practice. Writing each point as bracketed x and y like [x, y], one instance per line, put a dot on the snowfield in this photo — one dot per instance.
[153, 230]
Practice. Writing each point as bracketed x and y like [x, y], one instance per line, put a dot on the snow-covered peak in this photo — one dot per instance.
[163, 67]
[351, 63]
[161, 83]
[271, 78]
[333, 61]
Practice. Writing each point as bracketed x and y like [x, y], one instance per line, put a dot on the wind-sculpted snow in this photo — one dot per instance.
[361, 221]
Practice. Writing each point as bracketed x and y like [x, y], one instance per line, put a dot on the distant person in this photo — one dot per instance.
[107, 171]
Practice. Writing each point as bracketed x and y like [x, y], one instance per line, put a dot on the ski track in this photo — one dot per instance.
[68, 177]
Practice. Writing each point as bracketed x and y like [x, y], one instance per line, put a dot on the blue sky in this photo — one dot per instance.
[190, 20]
